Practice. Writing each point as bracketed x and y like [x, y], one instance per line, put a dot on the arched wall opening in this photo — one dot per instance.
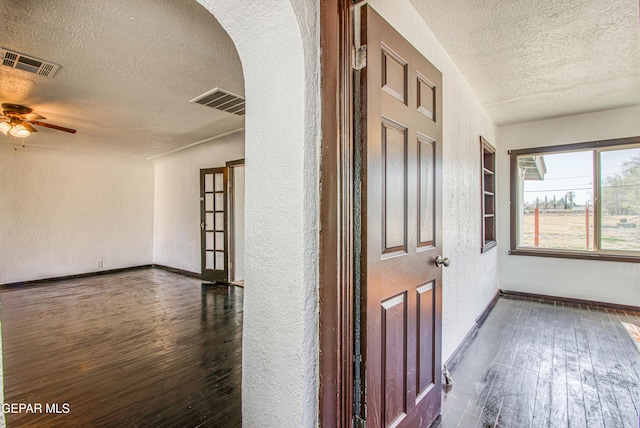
[280, 339]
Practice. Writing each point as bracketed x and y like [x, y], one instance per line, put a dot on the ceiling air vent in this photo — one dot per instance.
[221, 100]
[28, 63]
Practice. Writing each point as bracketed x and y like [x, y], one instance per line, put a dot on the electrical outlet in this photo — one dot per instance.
[99, 264]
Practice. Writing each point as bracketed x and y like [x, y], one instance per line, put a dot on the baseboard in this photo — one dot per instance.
[487, 310]
[457, 355]
[178, 271]
[67, 277]
[568, 300]
[101, 272]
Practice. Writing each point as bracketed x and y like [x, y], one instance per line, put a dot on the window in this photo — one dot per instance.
[577, 200]
[488, 195]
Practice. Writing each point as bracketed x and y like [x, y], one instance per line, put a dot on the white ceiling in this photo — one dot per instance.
[528, 60]
[129, 67]
[128, 71]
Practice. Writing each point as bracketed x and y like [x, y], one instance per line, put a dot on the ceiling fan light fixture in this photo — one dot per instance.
[20, 131]
[5, 127]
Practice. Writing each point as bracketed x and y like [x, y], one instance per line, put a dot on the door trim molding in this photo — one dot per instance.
[336, 215]
[231, 217]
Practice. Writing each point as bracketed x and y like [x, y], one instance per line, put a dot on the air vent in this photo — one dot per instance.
[28, 63]
[221, 100]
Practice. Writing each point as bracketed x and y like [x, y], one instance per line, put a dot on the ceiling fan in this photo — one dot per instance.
[18, 120]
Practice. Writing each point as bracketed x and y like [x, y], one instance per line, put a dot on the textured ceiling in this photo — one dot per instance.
[529, 60]
[129, 68]
[128, 71]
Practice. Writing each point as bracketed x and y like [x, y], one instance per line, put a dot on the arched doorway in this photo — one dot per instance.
[280, 340]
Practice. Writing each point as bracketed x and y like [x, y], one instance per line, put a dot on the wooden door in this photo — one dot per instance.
[213, 224]
[400, 283]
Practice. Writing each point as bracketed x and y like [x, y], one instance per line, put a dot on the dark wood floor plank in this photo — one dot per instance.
[627, 354]
[523, 339]
[621, 377]
[559, 391]
[600, 356]
[576, 413]
[542, 401]
[142, 348]
[496, 374]
[526, 398]
[590, 395]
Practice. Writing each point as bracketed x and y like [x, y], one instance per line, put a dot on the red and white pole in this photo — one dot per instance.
[536, 225]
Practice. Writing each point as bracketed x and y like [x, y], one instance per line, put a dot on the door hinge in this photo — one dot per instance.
[360, 58]
[358, 422]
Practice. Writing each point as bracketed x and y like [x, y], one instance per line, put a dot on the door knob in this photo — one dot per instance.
[440, 261]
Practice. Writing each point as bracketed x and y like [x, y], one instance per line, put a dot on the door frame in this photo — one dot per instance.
[336, 247]
[213, 275]
[231, 217]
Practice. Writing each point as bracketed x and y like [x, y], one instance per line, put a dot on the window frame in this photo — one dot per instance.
[598, 253]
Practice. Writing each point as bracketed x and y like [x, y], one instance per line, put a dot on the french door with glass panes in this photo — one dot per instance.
[213, 224]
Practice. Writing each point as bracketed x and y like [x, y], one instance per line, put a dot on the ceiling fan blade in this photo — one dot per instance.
[28, 126]
[49, 125]
[31, 116]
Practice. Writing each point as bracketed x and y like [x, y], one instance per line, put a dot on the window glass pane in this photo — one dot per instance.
[219, 221]
[220, 241]
[219, 203]
[219, 183]
[208, 182]
[208, 221]
[208, 202]
[219, 260]
[620, 191]
[556, 201]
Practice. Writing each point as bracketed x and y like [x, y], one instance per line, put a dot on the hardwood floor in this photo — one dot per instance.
[535, 364]
[154, 348]
[141, 348]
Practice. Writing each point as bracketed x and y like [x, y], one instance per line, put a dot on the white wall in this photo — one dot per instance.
[177, 199]
[63, 212]
[471, 280]
[613, 282]
[280, 337]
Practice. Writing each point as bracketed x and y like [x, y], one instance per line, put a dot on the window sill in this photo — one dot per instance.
[487, 246]
[576, 255]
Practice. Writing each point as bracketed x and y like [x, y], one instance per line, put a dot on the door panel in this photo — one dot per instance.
[401, 229]
[394, 158]
[213, 212]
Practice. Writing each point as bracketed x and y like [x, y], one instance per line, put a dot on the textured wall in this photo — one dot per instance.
[471, 280]
[62, 212]
[177, 199]
[280, 64]
[581, 279]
